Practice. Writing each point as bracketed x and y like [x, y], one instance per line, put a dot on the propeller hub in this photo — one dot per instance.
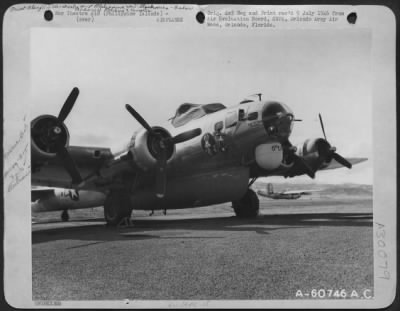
[48, 134]
[324, 148]
[161, 146]
[157, 143]
[57, 130]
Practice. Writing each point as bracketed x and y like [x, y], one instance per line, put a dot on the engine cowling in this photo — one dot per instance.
[316, 152]
[146, 148]
[269, 156]
[47, 132]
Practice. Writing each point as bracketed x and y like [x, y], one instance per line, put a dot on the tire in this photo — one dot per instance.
[116, 207]
[64, 216]
[248, 206]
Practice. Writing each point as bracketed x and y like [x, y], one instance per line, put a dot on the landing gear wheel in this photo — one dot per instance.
[64, 215]
[117, 207]
[248, 206]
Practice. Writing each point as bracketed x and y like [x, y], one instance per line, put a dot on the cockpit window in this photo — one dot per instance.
[192, 114]
[187, 112]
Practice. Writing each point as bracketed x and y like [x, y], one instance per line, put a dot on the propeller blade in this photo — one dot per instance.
[161, 177]
[68, 105]
[180, 138]
[341, 160]
[139, 118]
[69, 165]
[309, 171]
[322, 125]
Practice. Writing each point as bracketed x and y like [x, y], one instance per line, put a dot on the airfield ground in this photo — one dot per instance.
[322, 241]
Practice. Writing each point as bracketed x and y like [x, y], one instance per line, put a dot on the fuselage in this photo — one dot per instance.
[214, 167]
[236, 143]
[205, 154]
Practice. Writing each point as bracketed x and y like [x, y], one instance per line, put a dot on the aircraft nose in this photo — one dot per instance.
[277, 119]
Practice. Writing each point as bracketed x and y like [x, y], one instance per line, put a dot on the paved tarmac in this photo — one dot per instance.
[207, 253]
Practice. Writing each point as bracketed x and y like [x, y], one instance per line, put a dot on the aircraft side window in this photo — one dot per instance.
[252, 116]
[231, 119]
[242, 115]
[218, 126]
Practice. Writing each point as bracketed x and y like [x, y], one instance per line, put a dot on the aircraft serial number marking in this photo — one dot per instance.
[332, 293]
[276, 148]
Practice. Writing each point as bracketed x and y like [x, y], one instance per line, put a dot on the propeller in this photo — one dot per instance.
[163, 144]
[180, 138]
[161, 176]
[309, 171]
[51, 136]
[330, 152]
[322, 125]
[69, 164]
[61, 151]
[140, 119]
[299, 161]
[68, 105]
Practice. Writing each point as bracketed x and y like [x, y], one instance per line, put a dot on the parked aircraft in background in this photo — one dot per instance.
[204, 155]
[287, 195]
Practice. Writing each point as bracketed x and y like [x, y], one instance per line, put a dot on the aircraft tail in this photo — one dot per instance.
[270, 188]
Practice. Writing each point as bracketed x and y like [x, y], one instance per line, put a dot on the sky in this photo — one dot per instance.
[156, 70]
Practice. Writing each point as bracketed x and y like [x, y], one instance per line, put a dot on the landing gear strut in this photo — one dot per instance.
[248, 206]
[64, 215]
[117, 208]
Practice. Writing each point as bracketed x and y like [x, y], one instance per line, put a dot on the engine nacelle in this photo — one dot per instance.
[146, 149]
[269, 156]
[46, 134]
[315, 152]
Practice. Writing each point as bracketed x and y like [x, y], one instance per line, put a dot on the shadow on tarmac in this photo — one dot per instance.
[102, 233]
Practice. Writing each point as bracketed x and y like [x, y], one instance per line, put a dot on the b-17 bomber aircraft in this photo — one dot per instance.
[284, 195]
[205, 154]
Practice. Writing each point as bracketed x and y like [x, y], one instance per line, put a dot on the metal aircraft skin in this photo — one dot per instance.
[44, 199]
[205, 154]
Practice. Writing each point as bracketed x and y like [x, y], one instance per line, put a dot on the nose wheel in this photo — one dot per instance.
[248, 206]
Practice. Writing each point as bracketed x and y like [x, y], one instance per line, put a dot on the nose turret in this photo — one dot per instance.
[277, 119]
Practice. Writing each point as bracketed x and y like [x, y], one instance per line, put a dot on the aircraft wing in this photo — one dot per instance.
[97, 166]
[40, 192]
[300, 191]
[334, 164]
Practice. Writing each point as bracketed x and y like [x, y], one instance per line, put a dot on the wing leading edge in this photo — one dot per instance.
[334, 164]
